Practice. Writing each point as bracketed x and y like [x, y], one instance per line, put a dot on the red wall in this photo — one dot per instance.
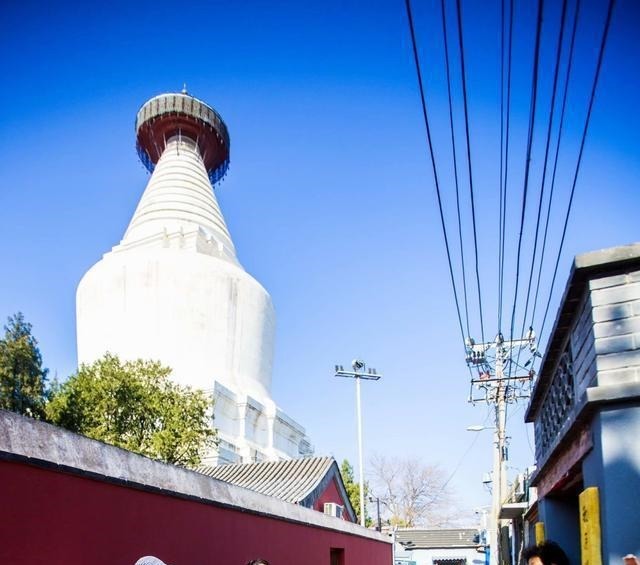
[331, 494]
[49, 517]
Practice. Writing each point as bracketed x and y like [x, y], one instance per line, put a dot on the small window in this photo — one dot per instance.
[337, 556]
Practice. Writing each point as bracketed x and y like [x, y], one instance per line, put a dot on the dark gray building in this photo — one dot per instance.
[586, 409]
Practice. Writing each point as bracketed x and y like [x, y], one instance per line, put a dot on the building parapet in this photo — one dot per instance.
[42, 445]
[593, 354]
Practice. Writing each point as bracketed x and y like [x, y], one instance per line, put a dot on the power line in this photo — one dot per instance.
[433, 160]
[546, 156]
[544, 166]
[455, 163]
[466, 124]
[533, 452]
[603, 43]
[463, 457]
[503, 187]
[555, 163]
[500, 243]
[532, 117]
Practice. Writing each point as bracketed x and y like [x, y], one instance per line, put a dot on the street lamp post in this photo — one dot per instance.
[359, 372]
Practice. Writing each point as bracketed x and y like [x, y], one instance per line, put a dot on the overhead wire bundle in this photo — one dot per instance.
[535, 263]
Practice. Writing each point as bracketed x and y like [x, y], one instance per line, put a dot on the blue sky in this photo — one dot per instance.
[329, 197]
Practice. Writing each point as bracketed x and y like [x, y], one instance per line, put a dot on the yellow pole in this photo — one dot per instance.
[590, 533]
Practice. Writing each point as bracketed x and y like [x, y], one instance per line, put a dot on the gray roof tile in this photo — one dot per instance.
[436, 539]
[300, 481]
[292, 480]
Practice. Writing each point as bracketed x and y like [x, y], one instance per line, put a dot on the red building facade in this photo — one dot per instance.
[74, 501]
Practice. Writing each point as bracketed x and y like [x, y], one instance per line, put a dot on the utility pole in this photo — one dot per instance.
[359, 372]
[378, 521]
[502, 380]
[499, 457]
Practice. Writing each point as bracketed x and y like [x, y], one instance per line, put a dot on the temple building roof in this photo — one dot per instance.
[300, 481]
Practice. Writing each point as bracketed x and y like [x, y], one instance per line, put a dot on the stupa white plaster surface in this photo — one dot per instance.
[173, 290]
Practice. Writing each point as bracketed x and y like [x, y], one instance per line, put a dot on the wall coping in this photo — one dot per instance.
[36, 443]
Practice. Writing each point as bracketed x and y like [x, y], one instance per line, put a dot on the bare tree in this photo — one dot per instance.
[412, 493]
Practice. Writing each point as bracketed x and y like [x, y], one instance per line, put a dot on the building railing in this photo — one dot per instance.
[556, 407]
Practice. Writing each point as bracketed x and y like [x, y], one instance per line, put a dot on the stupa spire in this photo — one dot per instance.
[184, 143]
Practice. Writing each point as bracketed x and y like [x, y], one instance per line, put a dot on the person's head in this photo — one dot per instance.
[552, 554]
[149, 560]
[258, 562]
[532, 555]
[547, 553]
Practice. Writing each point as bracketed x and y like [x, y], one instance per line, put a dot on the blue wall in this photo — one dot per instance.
[561, 519]
[618, 432]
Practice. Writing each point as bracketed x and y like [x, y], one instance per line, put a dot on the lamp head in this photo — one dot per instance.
[357, 364]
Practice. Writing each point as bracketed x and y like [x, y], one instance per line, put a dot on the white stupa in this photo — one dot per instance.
[174, 291]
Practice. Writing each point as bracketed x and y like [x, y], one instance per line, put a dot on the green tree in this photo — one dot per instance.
[353, 491]
[22, 377]
[134, 405]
